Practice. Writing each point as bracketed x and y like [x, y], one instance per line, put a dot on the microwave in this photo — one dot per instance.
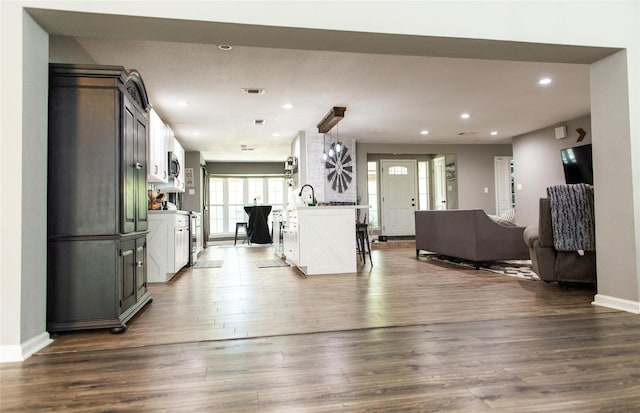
[174, 165]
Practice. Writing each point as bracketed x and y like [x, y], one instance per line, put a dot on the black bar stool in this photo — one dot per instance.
[246, 232]
[362, 240]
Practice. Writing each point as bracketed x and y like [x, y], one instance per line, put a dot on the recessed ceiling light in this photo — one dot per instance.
[287, 106]
[183, 103]
[494, 133]
[195, 133]
[225, 47]
[275, 134]
[424, 132]
[544, 81]
[465, 115]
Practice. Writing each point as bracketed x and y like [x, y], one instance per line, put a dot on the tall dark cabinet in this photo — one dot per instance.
[97, 197]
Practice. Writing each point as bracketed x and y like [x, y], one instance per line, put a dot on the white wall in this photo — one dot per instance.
[616, 203]
[23, 199]
[538, 165]
[551, 23]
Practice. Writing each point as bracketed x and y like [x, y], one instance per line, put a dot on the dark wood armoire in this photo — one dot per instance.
[97, 197]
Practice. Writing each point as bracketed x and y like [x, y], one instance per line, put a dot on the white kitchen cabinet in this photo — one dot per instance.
[181, 241]
[322, 240]
[291, 247]
[167, 244]
[157, 170]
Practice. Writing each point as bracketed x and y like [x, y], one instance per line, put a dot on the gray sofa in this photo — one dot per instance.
[468, 234]
[551, 264]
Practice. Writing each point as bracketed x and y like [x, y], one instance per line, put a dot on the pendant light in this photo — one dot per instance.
[332, 152]
[324, 147]
[338, 143]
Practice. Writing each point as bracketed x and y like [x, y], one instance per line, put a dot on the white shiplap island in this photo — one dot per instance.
[321, 239]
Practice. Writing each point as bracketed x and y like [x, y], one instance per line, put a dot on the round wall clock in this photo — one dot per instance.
[340, 169]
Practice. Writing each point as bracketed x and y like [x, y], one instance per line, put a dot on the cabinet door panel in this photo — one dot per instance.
[140, 166]
[127, 274]
[141, 266]
[128, 169]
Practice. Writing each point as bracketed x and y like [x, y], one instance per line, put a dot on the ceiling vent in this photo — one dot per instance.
[466, 133]
[254, 91]
[245, 148]
[258, 122]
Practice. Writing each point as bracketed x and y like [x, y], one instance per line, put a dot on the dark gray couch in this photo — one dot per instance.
[468, 234]
[551, 264]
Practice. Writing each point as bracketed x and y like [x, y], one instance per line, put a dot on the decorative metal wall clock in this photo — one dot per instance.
[340, 169]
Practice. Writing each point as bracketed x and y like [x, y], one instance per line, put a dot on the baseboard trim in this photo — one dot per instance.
[617, 303]
[21, 352]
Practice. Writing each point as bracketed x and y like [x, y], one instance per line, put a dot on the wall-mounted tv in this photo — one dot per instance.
[578, 165]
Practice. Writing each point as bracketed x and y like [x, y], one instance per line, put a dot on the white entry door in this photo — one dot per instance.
[439, 184]
[399, 196]
[504, 183]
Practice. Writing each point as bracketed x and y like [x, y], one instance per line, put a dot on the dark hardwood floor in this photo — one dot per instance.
[403, 335]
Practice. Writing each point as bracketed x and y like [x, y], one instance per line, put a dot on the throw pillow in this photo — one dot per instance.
[508, 217]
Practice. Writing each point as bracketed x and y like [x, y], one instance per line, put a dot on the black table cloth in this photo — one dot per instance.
[258, 228]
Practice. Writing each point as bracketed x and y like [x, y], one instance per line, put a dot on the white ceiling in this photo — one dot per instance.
[388, 98]
[391, 87]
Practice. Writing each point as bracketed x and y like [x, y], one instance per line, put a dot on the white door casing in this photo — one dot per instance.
[439, 184]
[399, 196]
[504, 187]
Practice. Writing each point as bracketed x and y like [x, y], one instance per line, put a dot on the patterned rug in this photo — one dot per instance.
[208, 264]
[512, 268]
[271, 263]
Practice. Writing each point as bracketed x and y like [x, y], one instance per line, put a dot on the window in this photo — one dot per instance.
[256, 190]
[398, 170]
[216, 205]
[372, 191]
[275, 192]
[423, 185]
[229, 195]
[235, 205]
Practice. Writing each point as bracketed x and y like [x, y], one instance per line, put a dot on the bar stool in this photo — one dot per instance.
[246, 232]
[362, 240]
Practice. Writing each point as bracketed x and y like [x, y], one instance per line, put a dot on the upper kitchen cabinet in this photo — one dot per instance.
[97, 197]
[175, 160]
[158, 165]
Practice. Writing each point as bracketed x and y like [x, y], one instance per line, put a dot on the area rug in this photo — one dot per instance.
[271, 263]
[512, 268]
[208, 264]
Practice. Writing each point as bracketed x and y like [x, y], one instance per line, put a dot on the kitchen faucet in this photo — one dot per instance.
[313, 194]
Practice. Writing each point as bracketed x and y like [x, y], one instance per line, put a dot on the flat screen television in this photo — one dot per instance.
[578, 165]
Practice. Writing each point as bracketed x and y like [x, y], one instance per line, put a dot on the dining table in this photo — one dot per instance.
[258, 226]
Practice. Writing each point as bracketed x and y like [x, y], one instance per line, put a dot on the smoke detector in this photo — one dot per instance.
[254, 91]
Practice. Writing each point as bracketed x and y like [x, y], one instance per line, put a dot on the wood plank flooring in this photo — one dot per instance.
[403, 335]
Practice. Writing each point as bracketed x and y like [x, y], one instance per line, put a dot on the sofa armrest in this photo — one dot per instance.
[530, 235]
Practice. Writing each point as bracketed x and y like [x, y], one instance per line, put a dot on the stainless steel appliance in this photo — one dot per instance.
[195, 233]
[174, 165]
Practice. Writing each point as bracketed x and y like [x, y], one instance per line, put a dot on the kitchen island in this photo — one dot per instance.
[321, 239]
